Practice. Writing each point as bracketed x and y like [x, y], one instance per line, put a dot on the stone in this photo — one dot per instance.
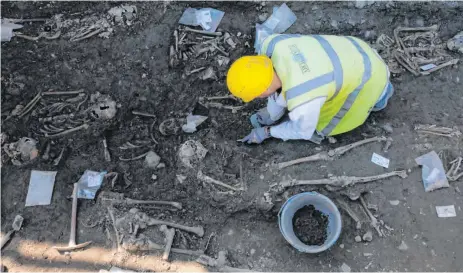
[368, 236]
[345, 268]
[152, 160]
[334, 24]
[387, 127]
[403, 246]
[332, 140]
[394, 202]
[263, 17]
[341, 246]
[358, 239]
[419, 22]
[154, 177]
[181, 178]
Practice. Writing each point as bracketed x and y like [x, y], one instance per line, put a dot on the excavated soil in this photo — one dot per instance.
[310, 225]
[132, 67]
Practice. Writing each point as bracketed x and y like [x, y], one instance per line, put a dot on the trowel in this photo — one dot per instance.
[17, 223]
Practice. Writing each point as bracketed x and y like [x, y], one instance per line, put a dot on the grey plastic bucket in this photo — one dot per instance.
[321, 203]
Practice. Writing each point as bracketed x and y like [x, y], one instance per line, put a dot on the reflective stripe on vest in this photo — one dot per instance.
[352, 96]
[334, 58]
[336, 74]
[275, 40]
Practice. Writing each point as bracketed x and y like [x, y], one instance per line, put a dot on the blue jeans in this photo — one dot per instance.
[382, 102]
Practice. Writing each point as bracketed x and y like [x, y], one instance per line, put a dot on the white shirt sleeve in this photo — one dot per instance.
[276, 106]
[303, 121]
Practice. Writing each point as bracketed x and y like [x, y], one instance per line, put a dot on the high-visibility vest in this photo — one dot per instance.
[343, 69]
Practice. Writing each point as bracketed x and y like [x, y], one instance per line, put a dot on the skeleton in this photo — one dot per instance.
[421, 47]
[339, 181]
[439, 131]
[331, 154]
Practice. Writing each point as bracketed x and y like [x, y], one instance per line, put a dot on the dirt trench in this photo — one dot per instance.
[132, 66]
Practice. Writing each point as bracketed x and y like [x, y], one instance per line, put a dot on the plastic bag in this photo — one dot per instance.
[209, 19]
[280, 20]
[193, 121]
[433, 172]
[262, 32]
[7, 30]
[89, 183]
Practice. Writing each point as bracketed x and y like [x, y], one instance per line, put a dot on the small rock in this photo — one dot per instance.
[161, 165]
[345, 268]
[154, 177]
[387, 127]
[419, 22]
[253, 251]
[368, 236]
[369, 34]
[394, 202]
[341, 246]
[332, 140]
[261, 177]
[334, 24]
[238, 34]
[365, 254]
[360, 4]
[263, 17]
[152, 160]
[358, 239]
[403, 246]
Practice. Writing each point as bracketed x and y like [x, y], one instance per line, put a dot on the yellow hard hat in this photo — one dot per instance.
[250, 76]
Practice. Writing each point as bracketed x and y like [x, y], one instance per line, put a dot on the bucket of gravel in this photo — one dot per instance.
[310, 222]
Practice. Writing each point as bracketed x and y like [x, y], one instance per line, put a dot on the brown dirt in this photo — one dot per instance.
[310, 225]
[132, 67]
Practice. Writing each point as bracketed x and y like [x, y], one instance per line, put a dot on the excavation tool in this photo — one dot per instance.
[72, 237]
[17, 223]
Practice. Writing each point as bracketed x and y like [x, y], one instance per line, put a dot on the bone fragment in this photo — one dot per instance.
[144, 244]
[113, 220]
[207, 179]
[331, 154]
[30, 105]
[343, 205]
[340, 181]
[133, 158]
[176, 39]
[107, 155]
[217, 105]
[452, 173]
[137, 113]
[169, 233]
[203, 32]
[374, 222]
[440, 131]
[46, 154]
[83, 126]
[60, 93]
[449, 63]
[58, 159]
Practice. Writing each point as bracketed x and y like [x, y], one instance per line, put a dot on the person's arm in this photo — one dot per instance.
[303, 121]
[275, 108]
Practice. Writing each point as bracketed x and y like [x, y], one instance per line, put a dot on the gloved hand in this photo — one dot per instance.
[262, 117]
[257, 135]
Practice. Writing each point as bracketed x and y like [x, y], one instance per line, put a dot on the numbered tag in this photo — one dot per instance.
[380, 160]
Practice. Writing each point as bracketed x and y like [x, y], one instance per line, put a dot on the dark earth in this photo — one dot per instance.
[132, 66]
[310, 225]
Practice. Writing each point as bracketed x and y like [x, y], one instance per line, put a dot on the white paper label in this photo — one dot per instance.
[380, 160]
[446, 211]
[427, 67]
[93, 181]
